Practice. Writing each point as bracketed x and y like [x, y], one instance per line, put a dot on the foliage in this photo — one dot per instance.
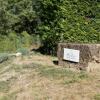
[68, 21]
[16, 15]
[26, 39]
[53, 20]
[13, 41]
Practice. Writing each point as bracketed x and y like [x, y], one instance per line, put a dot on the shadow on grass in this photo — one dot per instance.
[45, 51]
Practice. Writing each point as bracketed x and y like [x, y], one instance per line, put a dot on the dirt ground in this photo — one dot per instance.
[36, 77]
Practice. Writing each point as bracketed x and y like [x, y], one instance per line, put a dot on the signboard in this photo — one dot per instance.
[71, 55]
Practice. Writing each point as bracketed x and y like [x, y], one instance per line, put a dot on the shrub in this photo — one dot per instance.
[26, 39]
[68, 21]
[14, 41]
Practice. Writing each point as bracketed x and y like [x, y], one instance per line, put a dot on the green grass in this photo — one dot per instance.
[4, 86]
[55, 72]
[11, 96]
[97, 97]
[51, 72]
[59, 73]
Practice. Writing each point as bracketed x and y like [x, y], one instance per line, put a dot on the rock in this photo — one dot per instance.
[89, 53]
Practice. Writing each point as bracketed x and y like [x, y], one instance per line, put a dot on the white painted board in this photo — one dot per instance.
[71, 55]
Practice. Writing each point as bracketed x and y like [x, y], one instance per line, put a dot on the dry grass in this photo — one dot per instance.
[37, 78]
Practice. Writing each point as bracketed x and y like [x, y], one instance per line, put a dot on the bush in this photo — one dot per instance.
[26, 39]
[67, 21]
[14, 41]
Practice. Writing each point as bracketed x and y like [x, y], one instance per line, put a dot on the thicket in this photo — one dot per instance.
[17, 20]
[12, 42]
[68, 21]
[53, 20]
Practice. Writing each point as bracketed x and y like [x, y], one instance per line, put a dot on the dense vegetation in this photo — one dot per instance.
[53, 20]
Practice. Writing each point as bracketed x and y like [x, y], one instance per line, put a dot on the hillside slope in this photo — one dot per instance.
[35, 77]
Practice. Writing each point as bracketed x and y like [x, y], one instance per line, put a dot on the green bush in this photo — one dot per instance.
[8, 43]
[53, 20]
[14, 41]
[68, 21]
[26, 39]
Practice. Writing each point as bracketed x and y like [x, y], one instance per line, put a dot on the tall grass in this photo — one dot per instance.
[14, 41]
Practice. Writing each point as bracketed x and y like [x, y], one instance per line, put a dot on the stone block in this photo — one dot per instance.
[89, 55]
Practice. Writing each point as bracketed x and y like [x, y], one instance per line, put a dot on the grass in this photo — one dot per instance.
[4, 86]
[44, 82]
[62, 73]
[11, 96]
[55, 72]
[97, 97]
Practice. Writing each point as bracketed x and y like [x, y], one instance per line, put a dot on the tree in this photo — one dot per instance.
[67, 20]
[16, 15]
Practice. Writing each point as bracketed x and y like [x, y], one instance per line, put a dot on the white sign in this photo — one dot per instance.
[71, 55]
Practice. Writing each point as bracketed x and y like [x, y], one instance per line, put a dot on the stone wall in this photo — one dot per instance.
[89, 53]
